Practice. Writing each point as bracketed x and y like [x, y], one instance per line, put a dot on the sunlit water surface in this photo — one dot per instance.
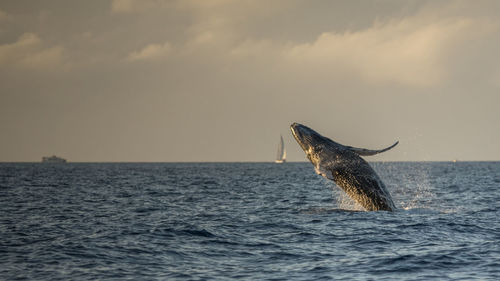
[260, 221]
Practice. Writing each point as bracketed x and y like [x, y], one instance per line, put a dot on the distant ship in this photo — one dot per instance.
[281, 157]
[53, 159]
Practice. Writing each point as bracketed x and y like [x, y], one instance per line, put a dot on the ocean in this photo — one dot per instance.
[249, 221]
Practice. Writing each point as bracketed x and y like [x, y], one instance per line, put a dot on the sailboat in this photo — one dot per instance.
[281, 157]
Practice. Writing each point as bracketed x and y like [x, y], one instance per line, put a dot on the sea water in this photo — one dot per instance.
[259, 221]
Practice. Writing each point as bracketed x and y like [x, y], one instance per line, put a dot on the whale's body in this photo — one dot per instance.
[346, 168]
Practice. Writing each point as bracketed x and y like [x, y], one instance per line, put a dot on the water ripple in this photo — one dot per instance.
[245, 221]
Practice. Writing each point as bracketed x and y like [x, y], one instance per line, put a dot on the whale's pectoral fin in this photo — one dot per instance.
[369, 152]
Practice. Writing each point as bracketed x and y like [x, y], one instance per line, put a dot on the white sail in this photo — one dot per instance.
[281, 157]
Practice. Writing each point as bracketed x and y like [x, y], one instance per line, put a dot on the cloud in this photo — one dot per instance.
[122, 6]
[421, 49]
[407, 52]
[254, 48]
[29, 52]
[43, 58]
[413, 50]
[151, 52]
[25, 40]
[133, 6]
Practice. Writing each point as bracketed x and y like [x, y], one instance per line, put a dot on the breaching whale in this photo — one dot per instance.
[346, 168]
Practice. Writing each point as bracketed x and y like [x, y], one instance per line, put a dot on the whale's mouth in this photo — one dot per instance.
[298, 134]
[304, 136]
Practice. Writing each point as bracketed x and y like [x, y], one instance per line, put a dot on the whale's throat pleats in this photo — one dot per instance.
[323, 171]
[367, 190]
[351, 186]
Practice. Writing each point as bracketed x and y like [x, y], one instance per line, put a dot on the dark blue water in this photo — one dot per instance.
[201, 221]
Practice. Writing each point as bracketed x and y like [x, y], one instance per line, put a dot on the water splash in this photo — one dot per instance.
[343, 201]
[410, 188]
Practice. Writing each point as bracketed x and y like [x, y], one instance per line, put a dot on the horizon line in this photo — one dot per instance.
[259, 162]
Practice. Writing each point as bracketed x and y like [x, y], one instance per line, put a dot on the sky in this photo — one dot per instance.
[220, 80]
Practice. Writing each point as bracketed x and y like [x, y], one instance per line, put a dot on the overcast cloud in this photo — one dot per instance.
[220, 80]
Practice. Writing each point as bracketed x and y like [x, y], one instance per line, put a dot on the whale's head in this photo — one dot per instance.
[308, 139]
[318, 149]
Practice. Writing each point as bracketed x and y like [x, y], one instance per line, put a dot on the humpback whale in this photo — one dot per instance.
[343, 165]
